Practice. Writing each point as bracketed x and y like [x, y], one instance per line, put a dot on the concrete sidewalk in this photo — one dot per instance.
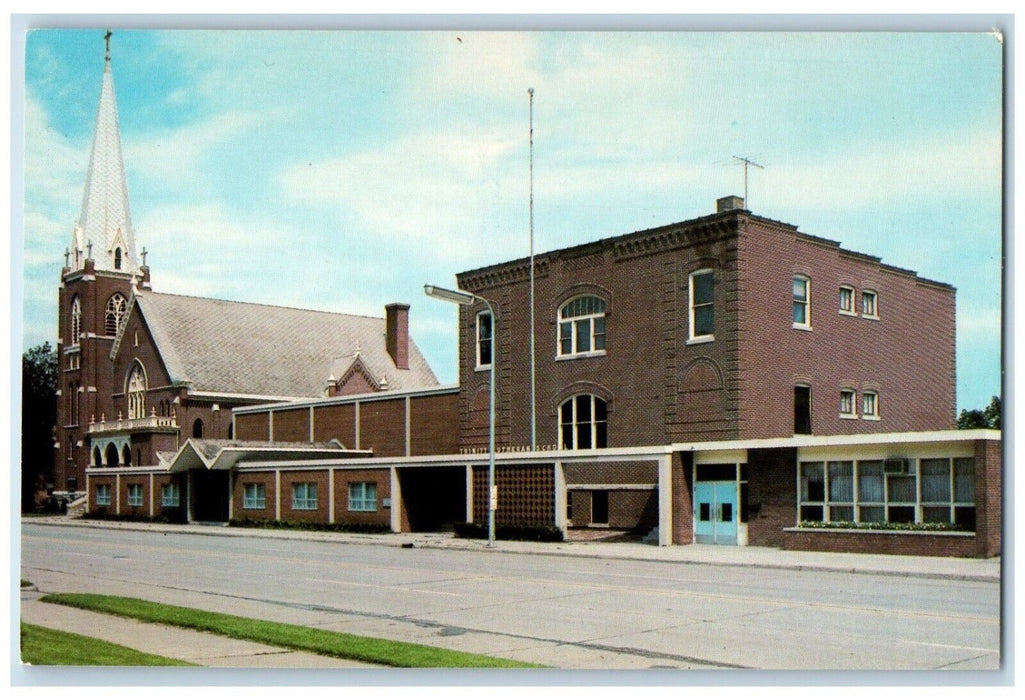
[199, 648]
[987, 570]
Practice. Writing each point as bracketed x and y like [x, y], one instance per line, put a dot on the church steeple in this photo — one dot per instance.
[104, 231]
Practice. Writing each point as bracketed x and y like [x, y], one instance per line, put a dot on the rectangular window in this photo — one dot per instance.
[102, 494]
[847, 300]
[135, 494]
[847, 398]
[304, 497]
[802, 410]
[363, 496]
[869, 306]
[170, 496]
[254, 496]
[484, 339]
[813, 491]
[599, 507]
[870, 405]
[802, 302]
[702, 305]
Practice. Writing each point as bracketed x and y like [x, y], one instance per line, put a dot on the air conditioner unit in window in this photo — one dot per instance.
[896, 465]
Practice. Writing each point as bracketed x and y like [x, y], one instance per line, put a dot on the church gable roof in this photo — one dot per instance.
[231, 347]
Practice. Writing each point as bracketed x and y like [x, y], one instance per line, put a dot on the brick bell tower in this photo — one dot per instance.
[98, 279]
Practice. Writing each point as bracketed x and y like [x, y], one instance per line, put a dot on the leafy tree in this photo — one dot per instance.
[38, 417]
[989, 417]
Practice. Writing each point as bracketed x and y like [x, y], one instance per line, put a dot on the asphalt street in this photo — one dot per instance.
[577, 613]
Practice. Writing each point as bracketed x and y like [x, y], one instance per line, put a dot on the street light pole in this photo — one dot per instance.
[466, 299]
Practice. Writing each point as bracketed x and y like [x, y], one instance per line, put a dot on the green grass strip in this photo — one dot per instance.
[42, 646]
[326, 643]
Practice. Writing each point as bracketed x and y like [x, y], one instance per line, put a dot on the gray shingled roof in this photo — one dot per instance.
[240, 348]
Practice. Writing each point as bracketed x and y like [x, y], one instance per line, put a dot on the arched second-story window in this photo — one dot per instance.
[197, 428]
[137, 392]
[583, 423]
[117, 258]
[582, 326]
[114, 314]
[76, 320]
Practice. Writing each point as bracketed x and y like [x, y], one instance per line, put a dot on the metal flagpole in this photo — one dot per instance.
[533, 379]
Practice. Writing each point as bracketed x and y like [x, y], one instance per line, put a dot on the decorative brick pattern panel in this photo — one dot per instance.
[526, 495]
[862, 542]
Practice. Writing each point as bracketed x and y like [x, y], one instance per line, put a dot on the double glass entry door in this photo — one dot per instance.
[715, 512]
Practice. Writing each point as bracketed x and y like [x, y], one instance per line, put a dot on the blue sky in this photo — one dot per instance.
[343, 170]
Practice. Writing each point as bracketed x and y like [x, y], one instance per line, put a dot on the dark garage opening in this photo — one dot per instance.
[209, 495]
[433, 498]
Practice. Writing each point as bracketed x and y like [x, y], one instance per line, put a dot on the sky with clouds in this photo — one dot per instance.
[344, 170]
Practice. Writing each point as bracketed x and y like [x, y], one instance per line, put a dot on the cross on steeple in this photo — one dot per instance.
[106, 38]
[67, 257]
[144, 253]
[89, 245]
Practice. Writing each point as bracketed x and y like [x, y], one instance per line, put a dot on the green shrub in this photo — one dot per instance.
[909, 527]
[519, 532]
[364, 528]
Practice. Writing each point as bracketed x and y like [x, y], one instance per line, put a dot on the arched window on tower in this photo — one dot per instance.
[114, 313]
[583, 423]
[137, 392]
[117, 258]
[197, 428]
[76, 320]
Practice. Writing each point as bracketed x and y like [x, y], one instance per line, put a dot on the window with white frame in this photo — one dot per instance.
[363, 496]
[102, 494]
[899, 490]
[701, 291]
[135, 494]
[582, 326]
[137, 392]
[170, 496]
[847, 300]
[583, 423]
[869, 304]
[114, 313]
[802, 302]
[76, 320]
[485, 339]
[304, 496]
[254, 496]
[848, 400]
[869, 405]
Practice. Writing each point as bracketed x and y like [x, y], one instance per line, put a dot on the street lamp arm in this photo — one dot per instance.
[464, 298]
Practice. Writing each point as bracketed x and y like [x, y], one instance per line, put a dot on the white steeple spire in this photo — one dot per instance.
[105, 221]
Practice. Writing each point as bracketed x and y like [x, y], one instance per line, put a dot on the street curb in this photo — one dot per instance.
[407, 542]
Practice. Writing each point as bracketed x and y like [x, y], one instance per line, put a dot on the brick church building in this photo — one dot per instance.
[727, 379]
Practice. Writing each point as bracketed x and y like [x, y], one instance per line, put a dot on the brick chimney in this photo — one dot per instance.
[396, 333]
[728, 203]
